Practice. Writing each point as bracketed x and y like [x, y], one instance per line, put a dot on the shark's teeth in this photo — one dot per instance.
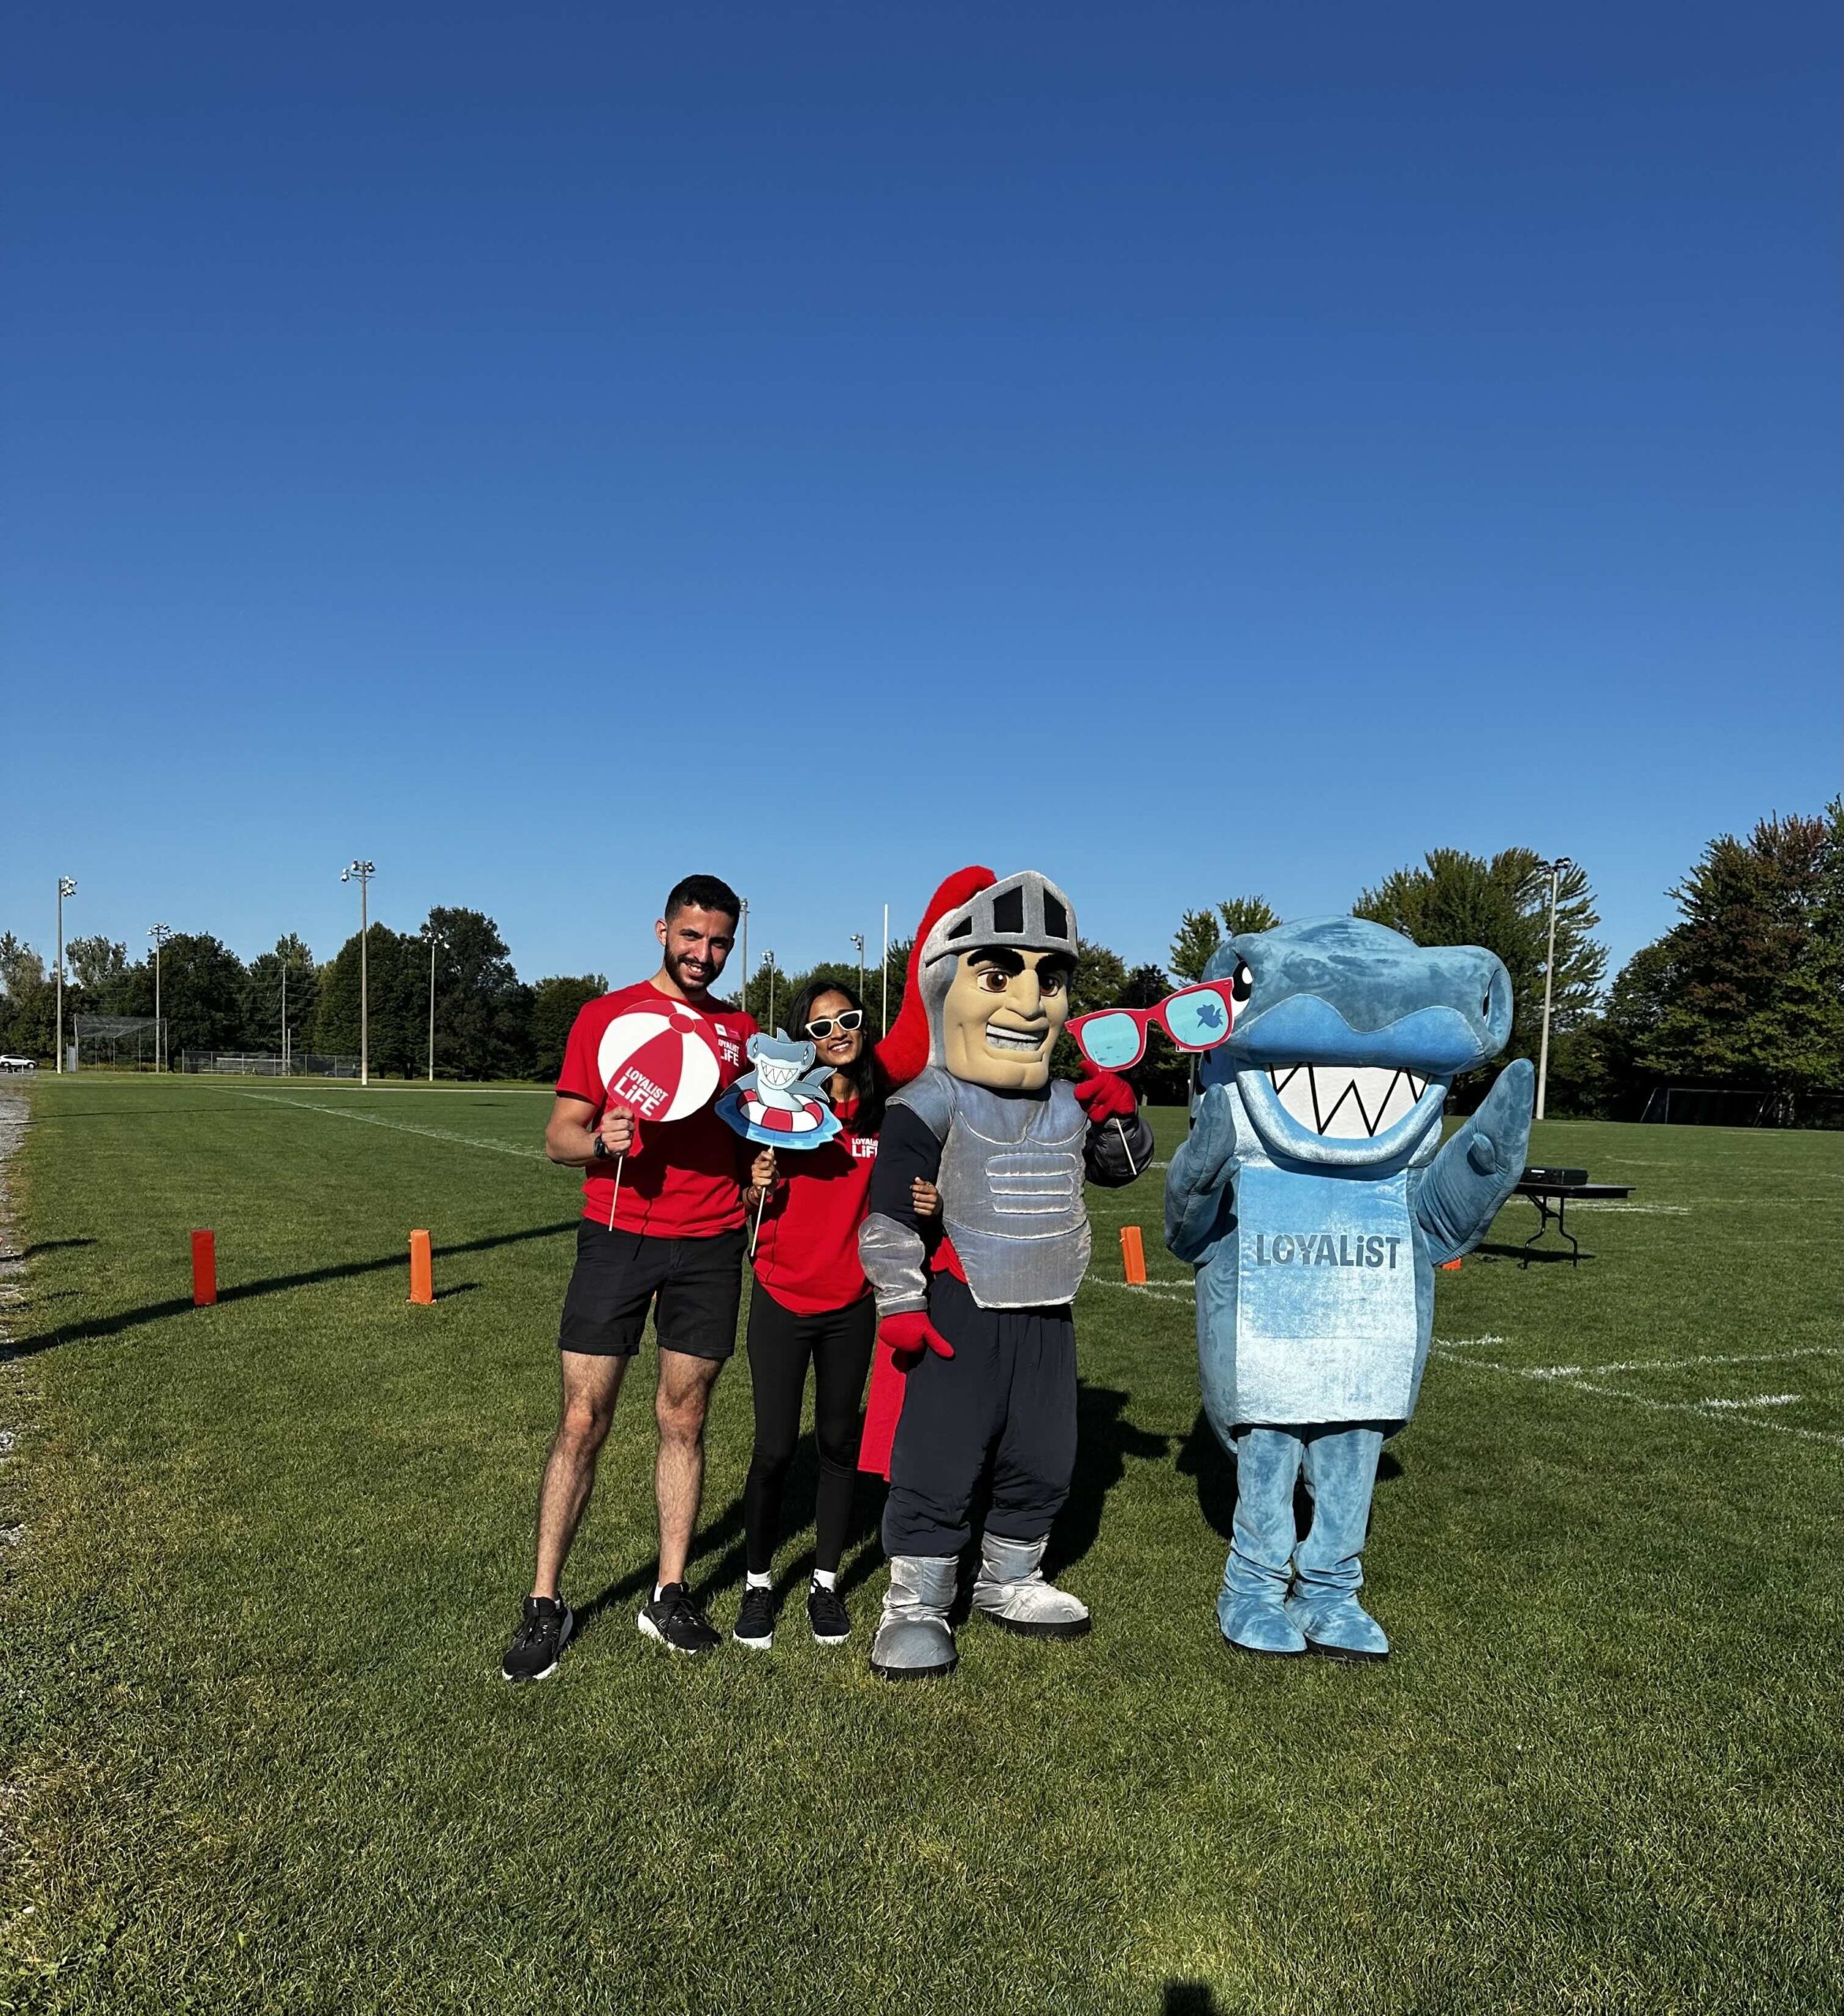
[1345, 1103]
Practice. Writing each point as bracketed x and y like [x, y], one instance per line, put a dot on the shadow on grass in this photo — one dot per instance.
[1492, 1250]
[53, 1245]
[100, 1327]
[1104, 1441]
[1191, 1999]
[1203, 1456]
[719, 1557]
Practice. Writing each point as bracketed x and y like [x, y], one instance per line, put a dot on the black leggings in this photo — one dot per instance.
[838, 1341]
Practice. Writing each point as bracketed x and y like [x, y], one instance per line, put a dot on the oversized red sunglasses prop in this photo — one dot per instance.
[1195, 1018]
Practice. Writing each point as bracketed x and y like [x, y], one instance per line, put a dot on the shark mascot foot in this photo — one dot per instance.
[1251, 1608]
[1315, 1198]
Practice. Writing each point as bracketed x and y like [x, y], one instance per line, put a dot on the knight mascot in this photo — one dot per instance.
[976, 1369]
[1315, 1197]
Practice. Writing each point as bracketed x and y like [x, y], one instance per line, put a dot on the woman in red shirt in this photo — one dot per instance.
[811, 1303]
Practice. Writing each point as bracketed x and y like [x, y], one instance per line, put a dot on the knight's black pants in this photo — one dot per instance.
[1007, 1397]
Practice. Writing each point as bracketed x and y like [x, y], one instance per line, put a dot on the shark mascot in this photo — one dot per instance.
[1315, 1197]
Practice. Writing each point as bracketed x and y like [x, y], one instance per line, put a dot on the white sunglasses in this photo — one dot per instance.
[820, 1030]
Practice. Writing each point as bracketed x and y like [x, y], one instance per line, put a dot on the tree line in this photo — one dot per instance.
[1745, 991]
[488, 1023]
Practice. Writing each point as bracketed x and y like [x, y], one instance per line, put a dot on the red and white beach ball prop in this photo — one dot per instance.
[660, 1062]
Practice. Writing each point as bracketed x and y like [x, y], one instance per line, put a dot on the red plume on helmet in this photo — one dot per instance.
[904, 1053]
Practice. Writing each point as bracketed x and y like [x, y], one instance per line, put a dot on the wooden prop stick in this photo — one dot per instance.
[616, 1198]
[762, 1206]
[1127, 1152]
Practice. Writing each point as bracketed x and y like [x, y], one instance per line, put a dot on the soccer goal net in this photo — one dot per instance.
[1727, 1105]
[267, 1064]
[117, 1043]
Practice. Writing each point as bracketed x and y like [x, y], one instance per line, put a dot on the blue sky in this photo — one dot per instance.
[1193, 449]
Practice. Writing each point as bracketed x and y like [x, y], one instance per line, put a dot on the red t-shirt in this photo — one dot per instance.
[686, 1181]
[807, 1252]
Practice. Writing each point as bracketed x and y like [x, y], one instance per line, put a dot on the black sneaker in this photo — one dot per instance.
[755, 1620]
[544, 1630]
[828, 1614]
[676, 1622]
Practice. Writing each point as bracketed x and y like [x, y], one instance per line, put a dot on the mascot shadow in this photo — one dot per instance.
[1105, 1441]
[1205, 1458]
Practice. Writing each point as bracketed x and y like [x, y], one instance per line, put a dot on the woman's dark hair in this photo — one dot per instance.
[868, 1080]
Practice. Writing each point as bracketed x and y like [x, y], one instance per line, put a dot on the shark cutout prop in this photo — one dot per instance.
[1315, 1198]
[782, 1103]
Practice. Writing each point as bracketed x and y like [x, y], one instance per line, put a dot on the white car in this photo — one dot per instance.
[17, 1063]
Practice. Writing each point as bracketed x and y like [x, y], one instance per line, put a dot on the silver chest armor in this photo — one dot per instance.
[1011, 1184]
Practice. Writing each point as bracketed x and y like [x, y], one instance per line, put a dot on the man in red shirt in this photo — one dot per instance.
[669, 1236]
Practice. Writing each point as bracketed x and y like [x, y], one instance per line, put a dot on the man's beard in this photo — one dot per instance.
[692, 983]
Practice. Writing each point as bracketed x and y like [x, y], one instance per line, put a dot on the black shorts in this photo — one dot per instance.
[697, 1282]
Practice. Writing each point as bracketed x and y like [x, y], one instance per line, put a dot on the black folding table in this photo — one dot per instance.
[1552, 1191]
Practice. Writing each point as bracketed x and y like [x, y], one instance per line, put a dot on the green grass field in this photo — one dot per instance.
[257, 1757]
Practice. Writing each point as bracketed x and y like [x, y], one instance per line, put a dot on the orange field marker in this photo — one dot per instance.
[1447, 1266]
[422, 1268]
[204, 1269]
[1133, 1255]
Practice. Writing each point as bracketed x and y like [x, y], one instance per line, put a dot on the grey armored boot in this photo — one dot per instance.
[914, 1640]
[1012, 1592]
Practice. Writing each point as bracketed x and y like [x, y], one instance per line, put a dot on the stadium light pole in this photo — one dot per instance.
[769, 961]
[1555, 868]
[858, 940]
[160, 933]
[66, 887]
[435, 939]
[362, 872]
[742, 945]
[287, 961]
[883, 1013]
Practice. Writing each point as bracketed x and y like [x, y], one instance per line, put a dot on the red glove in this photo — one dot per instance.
[1105, 1095]
[910, 1335]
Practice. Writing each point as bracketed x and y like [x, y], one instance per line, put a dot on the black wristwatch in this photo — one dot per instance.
[601, 1148]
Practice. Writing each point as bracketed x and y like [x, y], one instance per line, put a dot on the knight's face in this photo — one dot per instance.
[1002, 1017]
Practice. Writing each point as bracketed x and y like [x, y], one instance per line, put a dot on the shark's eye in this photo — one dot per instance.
[1242, 982]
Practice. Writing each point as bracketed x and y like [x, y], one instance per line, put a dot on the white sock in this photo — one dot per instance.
[827, 1578]
[659, 1589]
[756, 1581]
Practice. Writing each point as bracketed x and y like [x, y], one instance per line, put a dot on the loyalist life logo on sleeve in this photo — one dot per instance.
[1323, 1249]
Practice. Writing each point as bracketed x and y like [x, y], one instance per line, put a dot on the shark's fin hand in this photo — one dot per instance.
[1198, 1182]
[1470, 1179]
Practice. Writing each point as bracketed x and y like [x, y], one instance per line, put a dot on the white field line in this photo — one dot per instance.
[1673, 1364]
[1759, 1400]
[398, 1126]
[1639, 1210]
[1776, 1197]
[1163, 1293]
[1703, 1409]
